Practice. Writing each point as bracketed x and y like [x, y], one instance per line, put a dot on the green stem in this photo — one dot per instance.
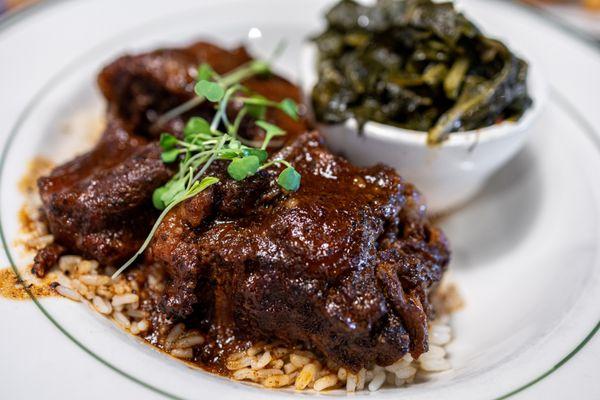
[193, 162]
[212, 158]
[257, 102]
[180, 109]
[275, 162]
[148, 238]
[239, 74]
[221, 113]
[236, 123]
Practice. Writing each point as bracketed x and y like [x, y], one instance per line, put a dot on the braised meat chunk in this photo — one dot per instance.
[343, 265]
[140, 88]
[98, 205]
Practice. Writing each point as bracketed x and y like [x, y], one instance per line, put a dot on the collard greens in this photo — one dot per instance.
[415, 64]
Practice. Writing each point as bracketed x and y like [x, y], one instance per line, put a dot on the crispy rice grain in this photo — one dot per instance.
[277, 381]
[67, 292]
[325, 382]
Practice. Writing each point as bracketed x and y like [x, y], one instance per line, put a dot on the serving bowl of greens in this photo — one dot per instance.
[418, 86]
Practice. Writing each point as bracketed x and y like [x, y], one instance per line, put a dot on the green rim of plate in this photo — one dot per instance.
[13, 18]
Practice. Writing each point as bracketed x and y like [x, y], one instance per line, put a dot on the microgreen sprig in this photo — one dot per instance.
[205, 87]
[204, 142]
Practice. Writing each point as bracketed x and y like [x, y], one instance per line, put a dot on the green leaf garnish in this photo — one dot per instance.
[262, 155]
[260, 67]
[170, 155]
[289, 179]
[257, 110]
[270, 132]
[235, 144]
[197, 187]
[174, 189]
[270, 129]
[229, 154]
[196, 125]
[211, 90]
[167, 141]
[289, 107]
[157, 198]
[241, 168]
[205, 72]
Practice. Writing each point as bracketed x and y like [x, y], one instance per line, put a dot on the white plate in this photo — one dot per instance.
[525, 251]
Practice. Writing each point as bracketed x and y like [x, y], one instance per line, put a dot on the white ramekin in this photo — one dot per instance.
[449, 174]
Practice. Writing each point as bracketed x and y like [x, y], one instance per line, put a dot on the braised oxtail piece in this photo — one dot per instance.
[344, 265]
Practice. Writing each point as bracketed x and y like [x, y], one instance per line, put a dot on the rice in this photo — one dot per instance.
[124, 299]
[94, 280]
[377, 381]
[261, 362]
[277, 381]
[67, 292]
[182, 353]
[351, 383]
[136, 313]
[68, 263]
[289, 368]
[360, 381]
[299, 360]
[434, 360]
[245, 374]
[189, 341]
[266, 373]
[112, 298]
[89, 266]
[240, 363]
[143, 325]
[404, 371]
[41, 241]
[173, 335]
[325, 382]
[101, 305]
[121, 319]
[306, 376]
[62, 280]
[439, 334]
[255, 349]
